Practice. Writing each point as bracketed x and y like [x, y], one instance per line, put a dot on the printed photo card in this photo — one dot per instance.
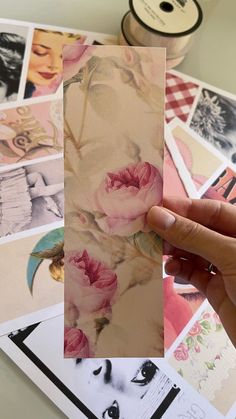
[114, 131]
[128, 388]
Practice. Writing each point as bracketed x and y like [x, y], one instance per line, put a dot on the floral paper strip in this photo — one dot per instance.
[114, 117]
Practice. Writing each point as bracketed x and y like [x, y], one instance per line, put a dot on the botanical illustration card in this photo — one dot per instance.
[114, 131]
[136, 388]
[206, 358]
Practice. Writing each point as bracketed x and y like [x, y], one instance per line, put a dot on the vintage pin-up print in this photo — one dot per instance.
[45, 63]
[114, 120]
[12, 51]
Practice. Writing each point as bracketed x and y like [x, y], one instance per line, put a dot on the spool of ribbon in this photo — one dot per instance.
[156, 23]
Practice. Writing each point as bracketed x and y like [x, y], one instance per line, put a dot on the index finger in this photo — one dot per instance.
[216, 215]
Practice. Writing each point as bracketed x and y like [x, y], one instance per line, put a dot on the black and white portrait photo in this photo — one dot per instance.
[31, 196]
[118, 388]
[214, 119]
[12, 49]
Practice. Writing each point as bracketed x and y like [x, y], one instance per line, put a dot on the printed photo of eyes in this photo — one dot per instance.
[100, 388]
[12, 49]
[124, 387]
[45, 64]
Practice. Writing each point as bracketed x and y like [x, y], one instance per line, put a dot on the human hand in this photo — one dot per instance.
[198, 233]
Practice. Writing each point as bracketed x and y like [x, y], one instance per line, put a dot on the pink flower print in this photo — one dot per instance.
[197, 348]
[72, 58]
[90, 285]
[181, 353]
[125, 196]
[75, 343]
[216, 318]
[195, 330]
[206, 316]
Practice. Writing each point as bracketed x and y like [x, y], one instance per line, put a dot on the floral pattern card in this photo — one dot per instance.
[114, 131]
[206, 358]
[128, 388]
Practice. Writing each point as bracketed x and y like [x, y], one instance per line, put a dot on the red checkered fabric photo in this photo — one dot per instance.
[180, 96]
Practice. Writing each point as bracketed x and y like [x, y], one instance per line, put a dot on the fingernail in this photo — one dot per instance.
[173, 267]
[160, 218]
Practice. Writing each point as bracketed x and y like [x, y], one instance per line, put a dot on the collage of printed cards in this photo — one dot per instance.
[197, 377]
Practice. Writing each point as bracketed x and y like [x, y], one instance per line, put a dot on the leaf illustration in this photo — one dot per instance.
[102, 68]
[219, 327]
[104, 101]
[180, 372]
[190, 342]
[6, 150]
[210, 365]
[149, 244]
[200, 339]
[49, 253]
[45, 243]
[206, 325]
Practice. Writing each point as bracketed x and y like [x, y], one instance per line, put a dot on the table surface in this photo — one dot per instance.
[211, 59]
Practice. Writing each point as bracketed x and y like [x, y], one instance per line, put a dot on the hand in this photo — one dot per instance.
[198, 233]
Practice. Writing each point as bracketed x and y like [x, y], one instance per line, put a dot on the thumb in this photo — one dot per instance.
[188, 235]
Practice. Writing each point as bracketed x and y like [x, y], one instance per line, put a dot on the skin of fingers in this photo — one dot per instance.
[193, 237]
[212, 286]
[210, 213]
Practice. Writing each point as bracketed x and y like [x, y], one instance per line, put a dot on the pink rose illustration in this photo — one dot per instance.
[195, 330]
[72, 58]
[75, 343]
[197, 348]
[90, 285]
[181, 353]
[125, 196]
[216, 318]
[206, 316]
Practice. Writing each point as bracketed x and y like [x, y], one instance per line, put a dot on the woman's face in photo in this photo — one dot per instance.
[114, 383]
[46, 57]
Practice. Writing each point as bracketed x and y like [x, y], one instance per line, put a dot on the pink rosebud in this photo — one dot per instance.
[90, 285]
[181, 353]
[216, 318]
[75, 343]
[125, 196]
[197, 348]
[195, 330]
[206, 316]
[74, 57]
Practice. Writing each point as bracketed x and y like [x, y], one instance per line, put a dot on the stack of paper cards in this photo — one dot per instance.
[122, 137]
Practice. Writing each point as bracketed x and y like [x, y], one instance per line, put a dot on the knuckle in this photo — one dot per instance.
[188, 232]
